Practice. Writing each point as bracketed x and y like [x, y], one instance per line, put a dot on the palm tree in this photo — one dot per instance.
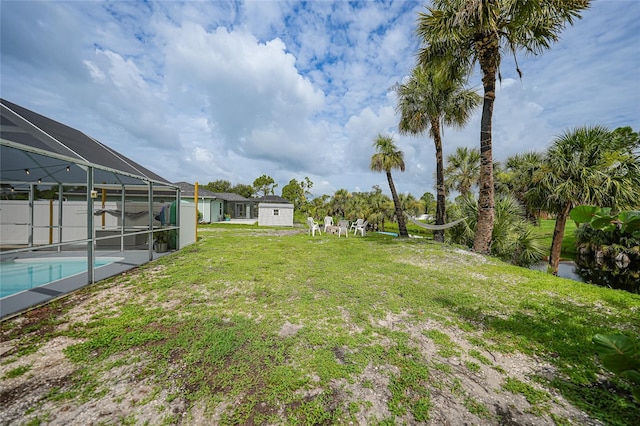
[359, 206]
[318, 207]
[388, 157]
[460, 33]
[381, 207]
[516, 179]
[588, 165]
[339, 203]
[463, 170]
[410, 204]
[427, 100]
[514, 239]
[428, 200]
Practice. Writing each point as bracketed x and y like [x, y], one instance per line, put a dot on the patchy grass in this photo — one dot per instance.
[17, 372]
[264, 326]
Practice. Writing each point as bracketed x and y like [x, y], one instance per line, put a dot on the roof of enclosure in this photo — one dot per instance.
[37, 149]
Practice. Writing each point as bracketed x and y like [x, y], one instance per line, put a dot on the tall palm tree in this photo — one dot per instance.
[386, 158]
[427, 100]
[588, 165]
[461, 33]
[463, 170]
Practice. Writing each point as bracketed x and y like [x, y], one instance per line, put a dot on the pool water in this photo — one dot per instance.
[23, 274]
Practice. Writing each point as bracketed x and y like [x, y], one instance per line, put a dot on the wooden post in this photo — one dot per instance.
[195, 200]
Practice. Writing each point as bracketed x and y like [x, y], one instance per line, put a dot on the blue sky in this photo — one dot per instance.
[200, 91]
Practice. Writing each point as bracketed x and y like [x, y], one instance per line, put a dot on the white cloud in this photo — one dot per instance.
[259, 103]
[233, 90]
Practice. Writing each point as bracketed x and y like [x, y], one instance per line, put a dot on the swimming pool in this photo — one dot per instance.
[23, 274]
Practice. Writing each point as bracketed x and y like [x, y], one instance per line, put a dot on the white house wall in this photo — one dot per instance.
[217, 211]
[205, 208]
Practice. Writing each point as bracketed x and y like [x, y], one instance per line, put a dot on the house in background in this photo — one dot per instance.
[272, 210]
[210, 206]
[215, 206]
[234, 205]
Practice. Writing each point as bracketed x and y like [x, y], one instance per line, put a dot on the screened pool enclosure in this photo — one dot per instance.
[63, 191]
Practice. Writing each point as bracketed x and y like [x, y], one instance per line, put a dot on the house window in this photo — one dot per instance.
[276, 212]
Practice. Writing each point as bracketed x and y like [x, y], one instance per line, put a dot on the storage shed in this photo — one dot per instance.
[274, 211]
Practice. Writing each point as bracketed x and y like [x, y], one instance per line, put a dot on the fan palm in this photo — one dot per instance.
[588, 165]
[517, 178]
[386, 158]
[381, 207]
[427, 100]
[463, 170]
[339, 203]
[514, 239]
[461, 33]
[410, 204]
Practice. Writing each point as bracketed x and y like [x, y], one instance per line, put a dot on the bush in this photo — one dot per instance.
[513, 238]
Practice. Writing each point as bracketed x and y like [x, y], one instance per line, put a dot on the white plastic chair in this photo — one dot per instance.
[362, 228]
[313, 226]
[343, 227]
[328, 221]
[355, 224]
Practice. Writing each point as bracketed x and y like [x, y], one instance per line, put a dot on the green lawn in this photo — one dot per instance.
[569, 239]
[265, 326]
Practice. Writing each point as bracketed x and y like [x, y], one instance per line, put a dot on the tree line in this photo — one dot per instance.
[584, 165]
[587, 165]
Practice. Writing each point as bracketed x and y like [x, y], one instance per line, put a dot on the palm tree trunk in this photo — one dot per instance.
[441, 194]
[402, 227]
[558, 235]
[488, 49]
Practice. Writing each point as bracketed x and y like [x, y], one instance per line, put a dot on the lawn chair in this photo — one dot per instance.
[355, 224]
[362, 228]
[328, 221]
[313, 226]
[343, 227]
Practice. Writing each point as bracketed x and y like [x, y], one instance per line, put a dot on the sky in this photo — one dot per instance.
[199, 91]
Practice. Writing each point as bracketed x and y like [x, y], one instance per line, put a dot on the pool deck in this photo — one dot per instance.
[20, 302]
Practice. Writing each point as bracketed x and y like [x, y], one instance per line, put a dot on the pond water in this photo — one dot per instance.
[605, 274]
